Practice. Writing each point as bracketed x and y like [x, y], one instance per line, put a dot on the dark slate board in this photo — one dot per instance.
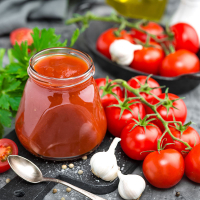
[52, 169]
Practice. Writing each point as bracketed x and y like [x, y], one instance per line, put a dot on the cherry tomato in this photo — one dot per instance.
[148, 59]
[163, 169]
[107, 38]
[179, 114]
[133, 82]
[7, 147]
[178, 63]
[185, 37]
[20, 35]
[192, 163]
[134, 141]
[150, 27]
[115, 123]
[108, 98]
[190, 135]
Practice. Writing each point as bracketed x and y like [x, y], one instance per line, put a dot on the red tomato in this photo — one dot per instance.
[20, 35]
[136, 140]
[185, 37]
[7, 147]
[179, 114]
[178, 63]
[108, 98]
[192, 163]
[151, 28]
[148, 59]
[190, 135]
[115, 123]
[163, 169]
[133, 82]
[107, 38]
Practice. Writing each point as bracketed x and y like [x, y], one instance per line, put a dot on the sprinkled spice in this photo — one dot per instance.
[54, 191]
[64, 166]
[178, 194]
[68, 189]
[71, 165]
[84, 157]
[80, 172]
[7, 180]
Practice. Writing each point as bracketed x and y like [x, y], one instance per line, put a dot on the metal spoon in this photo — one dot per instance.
[31, 173]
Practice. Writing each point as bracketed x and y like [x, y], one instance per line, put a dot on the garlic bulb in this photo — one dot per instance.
[130, 186]
[104, 164]
[122, 51]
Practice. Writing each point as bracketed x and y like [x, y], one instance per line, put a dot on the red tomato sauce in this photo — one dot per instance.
[60, 123]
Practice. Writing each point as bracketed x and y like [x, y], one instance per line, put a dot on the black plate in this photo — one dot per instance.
[177, 85]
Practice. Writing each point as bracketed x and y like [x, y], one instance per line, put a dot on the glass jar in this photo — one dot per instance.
[60, 119]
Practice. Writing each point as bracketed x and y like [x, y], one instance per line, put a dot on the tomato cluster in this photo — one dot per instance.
[140, 130]
[167, 53]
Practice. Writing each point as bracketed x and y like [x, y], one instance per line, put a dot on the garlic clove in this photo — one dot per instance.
[130, 186]
[104, 164]
[122, 51]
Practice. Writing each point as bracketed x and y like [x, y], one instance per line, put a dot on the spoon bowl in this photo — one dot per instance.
[25, 169]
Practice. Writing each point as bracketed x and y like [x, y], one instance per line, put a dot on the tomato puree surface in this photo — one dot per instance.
[61, 66]
[57, 122]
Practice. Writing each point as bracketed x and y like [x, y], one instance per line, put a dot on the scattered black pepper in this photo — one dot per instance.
[178, 194]
[19, 193]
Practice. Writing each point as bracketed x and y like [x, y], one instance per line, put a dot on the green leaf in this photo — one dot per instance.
[2, 53]
[1, 130]
[10, 56]
[74, 37]
[14, 102]
[5, 119]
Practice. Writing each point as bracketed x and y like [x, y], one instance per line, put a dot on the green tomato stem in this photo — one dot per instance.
[153, 107]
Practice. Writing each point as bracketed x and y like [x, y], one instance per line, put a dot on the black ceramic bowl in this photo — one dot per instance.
[177, 85]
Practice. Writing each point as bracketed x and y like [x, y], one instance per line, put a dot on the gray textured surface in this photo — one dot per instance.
[188, 191]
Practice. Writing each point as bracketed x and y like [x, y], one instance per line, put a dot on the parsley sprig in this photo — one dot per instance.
[14, 75]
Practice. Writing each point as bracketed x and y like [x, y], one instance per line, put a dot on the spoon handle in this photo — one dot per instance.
[84, 192]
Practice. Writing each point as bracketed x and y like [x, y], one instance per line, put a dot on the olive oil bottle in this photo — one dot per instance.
[139, 9]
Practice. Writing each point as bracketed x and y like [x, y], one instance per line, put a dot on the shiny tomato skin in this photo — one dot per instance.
[163, 169]
[151, 82]
[190, 135]
[179, 114]
[179, 63]
[148, 60]
[192, 163]
[115, 123]
[107, 99]
[107, 38]
[20, 35]
[4, 166]
[185, 37]
[151, 28]
[135, 141]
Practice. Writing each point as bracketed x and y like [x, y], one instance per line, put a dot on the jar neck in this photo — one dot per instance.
[60, 82]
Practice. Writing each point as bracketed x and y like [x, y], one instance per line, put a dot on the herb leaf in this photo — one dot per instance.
[74, 37]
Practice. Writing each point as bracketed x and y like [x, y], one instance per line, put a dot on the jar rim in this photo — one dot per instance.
[89, 59]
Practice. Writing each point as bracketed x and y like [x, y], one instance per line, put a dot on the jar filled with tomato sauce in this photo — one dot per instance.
[60, 116]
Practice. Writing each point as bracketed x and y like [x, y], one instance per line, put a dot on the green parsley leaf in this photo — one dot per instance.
[2, 52]
[1, 130]
[74, 37]
[5, 119]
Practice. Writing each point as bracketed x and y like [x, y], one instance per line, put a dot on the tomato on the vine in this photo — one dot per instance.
[178, 63]
[146, 84]
[163, 169]
[148, 59]
[192, 163]
[189, 135]
[20, 35]
[121, 114]
[108, 98]
[137, 140]
[185, 37]
[150, 27]
[107, 38]
[167, 110]
[7, 147]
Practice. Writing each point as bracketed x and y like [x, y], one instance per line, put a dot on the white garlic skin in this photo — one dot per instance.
[130, 186]
[104, 164]
[122, 51]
